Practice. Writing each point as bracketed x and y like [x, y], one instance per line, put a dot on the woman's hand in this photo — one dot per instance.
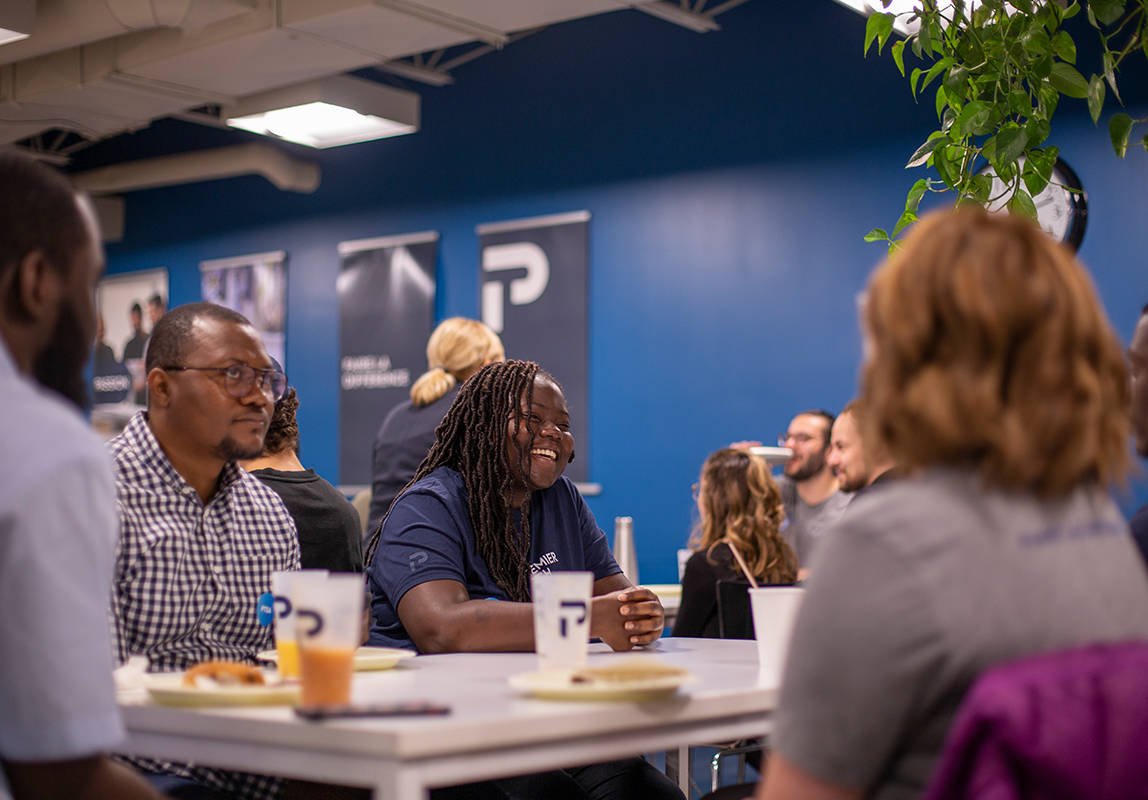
[627, 618]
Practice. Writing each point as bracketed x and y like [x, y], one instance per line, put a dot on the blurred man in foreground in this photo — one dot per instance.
[58, 713]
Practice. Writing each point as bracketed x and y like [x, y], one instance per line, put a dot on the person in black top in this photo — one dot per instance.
[457, 349]
[327, 523]
[739, 506]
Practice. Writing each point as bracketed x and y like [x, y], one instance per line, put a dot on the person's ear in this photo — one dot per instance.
[37, 288]
[159, 388]
[571, 459]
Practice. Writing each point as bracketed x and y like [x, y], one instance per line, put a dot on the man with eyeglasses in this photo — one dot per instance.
[199, 536]
[808, 487]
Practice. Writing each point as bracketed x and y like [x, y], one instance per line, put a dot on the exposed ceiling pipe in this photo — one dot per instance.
[285, 172]
[71, 23]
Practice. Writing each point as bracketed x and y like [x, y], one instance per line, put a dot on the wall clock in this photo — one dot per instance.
[1060, 212]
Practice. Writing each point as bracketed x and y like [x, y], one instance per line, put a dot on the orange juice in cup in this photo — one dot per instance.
[283, 587]
[327, 617]
[326, 675]
[287, 655]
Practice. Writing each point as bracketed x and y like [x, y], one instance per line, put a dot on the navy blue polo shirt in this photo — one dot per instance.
[428, 537]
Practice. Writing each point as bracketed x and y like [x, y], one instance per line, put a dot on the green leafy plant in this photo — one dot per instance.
[997, 71]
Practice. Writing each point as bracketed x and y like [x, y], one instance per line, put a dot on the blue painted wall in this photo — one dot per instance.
[730, 178]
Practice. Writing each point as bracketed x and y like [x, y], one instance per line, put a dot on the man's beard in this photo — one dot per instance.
[231, 450]
[813, 465]
[60, 365]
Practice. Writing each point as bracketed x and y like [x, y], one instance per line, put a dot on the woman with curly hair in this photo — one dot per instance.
[740, 510]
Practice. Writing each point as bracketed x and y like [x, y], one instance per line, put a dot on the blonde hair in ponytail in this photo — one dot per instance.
[457, 349]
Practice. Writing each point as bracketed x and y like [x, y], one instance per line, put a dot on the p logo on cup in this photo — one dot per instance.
[571, 613]
[305, 614]
[282, 606]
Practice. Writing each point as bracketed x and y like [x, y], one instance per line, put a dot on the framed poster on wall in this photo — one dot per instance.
[129, 305]
[256, 287]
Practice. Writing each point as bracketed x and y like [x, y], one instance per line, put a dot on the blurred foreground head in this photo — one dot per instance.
[987, 348]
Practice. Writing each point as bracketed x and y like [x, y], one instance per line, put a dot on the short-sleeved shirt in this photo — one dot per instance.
[403, 441]
[806, 524]
[57, 537]
[330, 533]
[428, 537]
[188, 575]
[921, 588]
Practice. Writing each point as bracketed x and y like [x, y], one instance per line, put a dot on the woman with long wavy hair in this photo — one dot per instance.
[739, 510]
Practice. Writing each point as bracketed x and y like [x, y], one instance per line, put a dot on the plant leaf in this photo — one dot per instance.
[1106, 11]
[924, 151]
[907, 219]
[876, 235]
[942, 100]
[1036, 131]
[1035, 176]
[1067, 80]
[980, 187]
[1019, 102]
[1095, 97]
[898, 51]
[936, 70]
[1145, 142]
[1064, 47]
[1011, 142]
[913, 200]
[1021, 203]
[1119, 128]
[877, 27]
[974, 118]
[1036, 41]
[913, 76]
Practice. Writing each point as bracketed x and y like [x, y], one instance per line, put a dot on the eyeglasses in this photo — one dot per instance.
[239, 378]
[798, 438]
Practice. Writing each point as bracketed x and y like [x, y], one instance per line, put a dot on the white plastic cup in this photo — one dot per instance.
[328, 615]
[774, 612]
[561, 618]
[282, 587]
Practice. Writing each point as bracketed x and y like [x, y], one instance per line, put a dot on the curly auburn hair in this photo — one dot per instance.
[471, 439]
[739, 504]
[987, 348]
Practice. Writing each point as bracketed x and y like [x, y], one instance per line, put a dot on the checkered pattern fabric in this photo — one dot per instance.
[188, 575]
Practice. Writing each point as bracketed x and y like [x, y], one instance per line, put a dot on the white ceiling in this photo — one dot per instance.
[95, 68]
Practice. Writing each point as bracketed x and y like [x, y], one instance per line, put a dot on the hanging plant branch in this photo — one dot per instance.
[1001, 70]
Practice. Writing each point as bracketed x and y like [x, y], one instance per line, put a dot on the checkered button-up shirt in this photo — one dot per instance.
[188, 574]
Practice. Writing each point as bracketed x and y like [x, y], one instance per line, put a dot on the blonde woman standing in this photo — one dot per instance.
[458, 348]
[739, 506]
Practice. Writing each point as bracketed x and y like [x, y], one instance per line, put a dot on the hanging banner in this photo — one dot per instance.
[386, 306]
[129, 306]
[256, 287]
[533, 276]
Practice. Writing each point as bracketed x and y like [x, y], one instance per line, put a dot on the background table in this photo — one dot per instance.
[492, 730]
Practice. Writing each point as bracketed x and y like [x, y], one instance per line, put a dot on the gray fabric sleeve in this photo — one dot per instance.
[860, 660]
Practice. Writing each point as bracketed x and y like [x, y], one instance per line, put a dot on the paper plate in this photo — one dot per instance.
[561, 685]
[169, 689]
[366, 658]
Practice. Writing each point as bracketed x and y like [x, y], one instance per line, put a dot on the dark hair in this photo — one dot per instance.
[171, 337]
[283, 432]
[38, 211]
[825, 415]
[155, 300]
[472, 440]
[136, 309]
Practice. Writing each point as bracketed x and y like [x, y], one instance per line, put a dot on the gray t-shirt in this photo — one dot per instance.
[922, 587]
[805, 523]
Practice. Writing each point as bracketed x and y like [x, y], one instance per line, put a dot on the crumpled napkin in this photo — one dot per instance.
[132, 674]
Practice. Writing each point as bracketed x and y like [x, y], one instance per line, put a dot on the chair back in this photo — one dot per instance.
[1069, 724]
[735, 619]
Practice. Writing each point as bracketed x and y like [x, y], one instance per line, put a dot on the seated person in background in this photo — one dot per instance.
[58, 713]
[1003, 400]
[739, 505]
[809, 491]
[327, 523]
[199, 537]
[857, 464]
[457, 349]
[449, 569]
[1138, 364]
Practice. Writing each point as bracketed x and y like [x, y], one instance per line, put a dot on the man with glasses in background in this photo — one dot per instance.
[199, 536]
[808, 487]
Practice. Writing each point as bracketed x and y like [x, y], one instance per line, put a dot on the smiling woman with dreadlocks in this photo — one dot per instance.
[488, 506]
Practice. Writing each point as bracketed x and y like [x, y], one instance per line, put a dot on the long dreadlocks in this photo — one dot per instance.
[472, 440]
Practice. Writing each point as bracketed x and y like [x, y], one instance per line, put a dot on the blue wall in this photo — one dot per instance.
[730, 178]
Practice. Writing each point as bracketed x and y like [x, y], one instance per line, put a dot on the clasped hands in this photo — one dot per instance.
[627, 618]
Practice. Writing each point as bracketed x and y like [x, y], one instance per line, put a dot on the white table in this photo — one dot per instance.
[491, 732]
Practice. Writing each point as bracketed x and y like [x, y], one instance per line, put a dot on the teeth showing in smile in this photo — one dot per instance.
[540, 451]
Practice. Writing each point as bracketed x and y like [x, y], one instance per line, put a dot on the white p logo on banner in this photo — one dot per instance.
[524, 290]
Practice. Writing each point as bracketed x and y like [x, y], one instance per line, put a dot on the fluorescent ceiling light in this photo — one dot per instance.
[16, 20]
[903, 8]
[328, 112]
